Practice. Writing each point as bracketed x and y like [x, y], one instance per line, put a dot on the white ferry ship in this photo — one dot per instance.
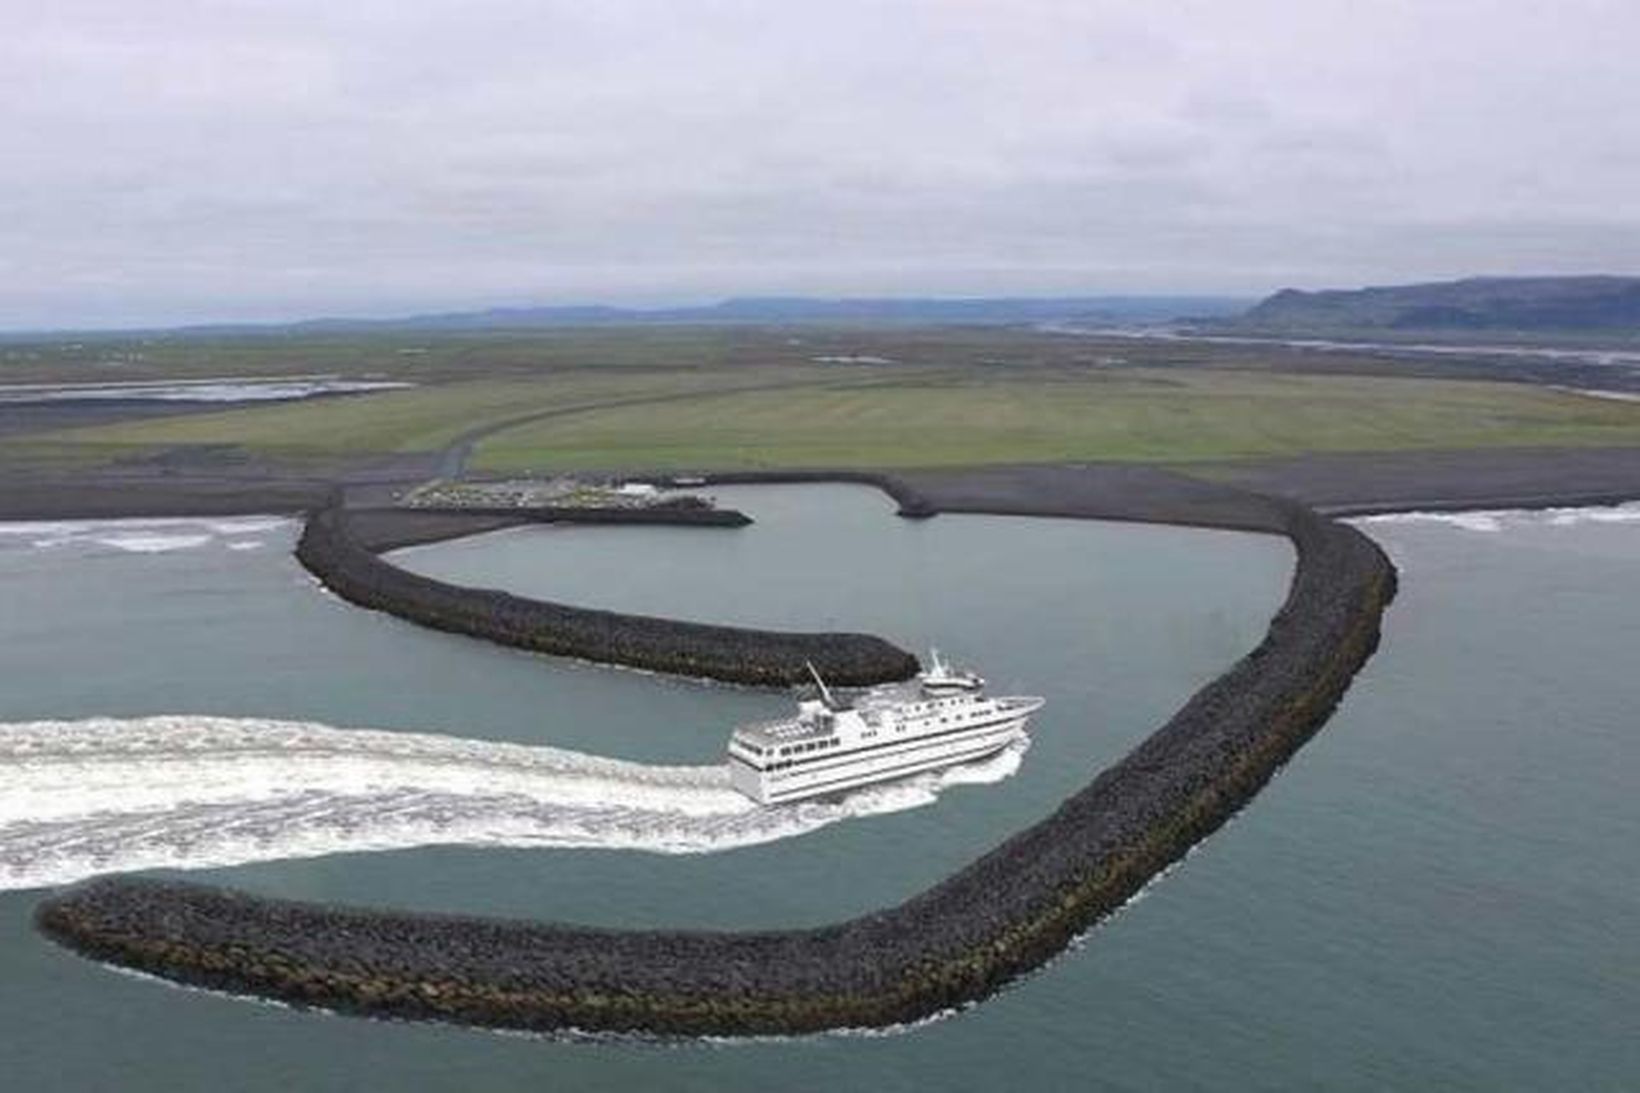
[938, 719]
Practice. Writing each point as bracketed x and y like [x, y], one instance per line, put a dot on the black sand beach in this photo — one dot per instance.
[1184, 493]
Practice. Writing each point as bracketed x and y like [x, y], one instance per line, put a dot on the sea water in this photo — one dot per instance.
[1438, 891]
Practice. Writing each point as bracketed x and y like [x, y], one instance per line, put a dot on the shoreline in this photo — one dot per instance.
[1191, 494]
[1000, 918]
[1540, 503]
[432, 534]
[957, 943]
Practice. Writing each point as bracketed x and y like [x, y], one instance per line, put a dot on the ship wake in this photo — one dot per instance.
[82, 798]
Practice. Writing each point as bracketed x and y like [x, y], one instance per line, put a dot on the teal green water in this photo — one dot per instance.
[1439, 892]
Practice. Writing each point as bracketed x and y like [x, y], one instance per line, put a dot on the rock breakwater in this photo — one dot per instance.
[332, 553]
[955, 943]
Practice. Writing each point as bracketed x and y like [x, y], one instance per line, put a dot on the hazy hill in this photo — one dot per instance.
[1500, 304]
[802, 309]
[749, 310]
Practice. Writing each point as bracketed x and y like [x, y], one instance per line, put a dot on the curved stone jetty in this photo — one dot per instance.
[912, 501]
[383, 529]
[953, 944]
[333, 553]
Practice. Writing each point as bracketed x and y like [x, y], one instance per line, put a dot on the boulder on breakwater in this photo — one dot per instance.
[335, 555]
[953, 944]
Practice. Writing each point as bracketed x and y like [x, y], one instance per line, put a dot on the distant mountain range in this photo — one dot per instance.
[803, 309]
[750, 310]
[1526, 305]
[1595, 307]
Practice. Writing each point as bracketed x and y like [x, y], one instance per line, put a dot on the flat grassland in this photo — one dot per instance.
[1135, 415]
[418, 419]
[699, 398]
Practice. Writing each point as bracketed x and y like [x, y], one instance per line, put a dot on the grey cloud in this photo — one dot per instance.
[175, 160]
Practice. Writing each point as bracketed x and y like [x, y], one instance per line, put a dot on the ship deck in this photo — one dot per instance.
[780, 730]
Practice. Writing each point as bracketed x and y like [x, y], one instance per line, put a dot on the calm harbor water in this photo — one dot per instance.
[1439, 892]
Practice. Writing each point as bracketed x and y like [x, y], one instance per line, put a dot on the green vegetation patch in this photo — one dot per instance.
[1141, 415]
[415, 420]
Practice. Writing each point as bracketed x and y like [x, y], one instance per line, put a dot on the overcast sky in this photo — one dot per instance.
[165, 160]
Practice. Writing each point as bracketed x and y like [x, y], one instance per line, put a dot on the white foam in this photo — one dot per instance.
[144, 535]
[153, 544]
[1619, 514]
[1495, 520]
[245, 525]
[80, 798]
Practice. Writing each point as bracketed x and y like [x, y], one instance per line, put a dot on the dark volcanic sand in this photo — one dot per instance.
[1110, 491]
[108, 498]
[1335, 483]
[186, 487]
[1357, 483]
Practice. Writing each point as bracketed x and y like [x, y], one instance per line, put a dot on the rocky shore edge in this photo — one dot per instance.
[351, 566]
[954, 944]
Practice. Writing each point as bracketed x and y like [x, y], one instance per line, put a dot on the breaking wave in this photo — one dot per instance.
[142, 535]
[1494, 520]
[104, 795]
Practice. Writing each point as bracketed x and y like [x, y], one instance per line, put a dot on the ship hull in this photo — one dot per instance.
[839, 773]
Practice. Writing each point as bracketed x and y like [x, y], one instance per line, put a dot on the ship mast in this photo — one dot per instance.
[825, 692]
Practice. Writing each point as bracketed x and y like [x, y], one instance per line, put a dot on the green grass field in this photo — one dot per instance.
[445, 356]
[417, 420]
[678, 397]
[1174, 416]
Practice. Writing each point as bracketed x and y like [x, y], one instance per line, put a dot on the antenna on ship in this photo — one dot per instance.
[825, 692]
